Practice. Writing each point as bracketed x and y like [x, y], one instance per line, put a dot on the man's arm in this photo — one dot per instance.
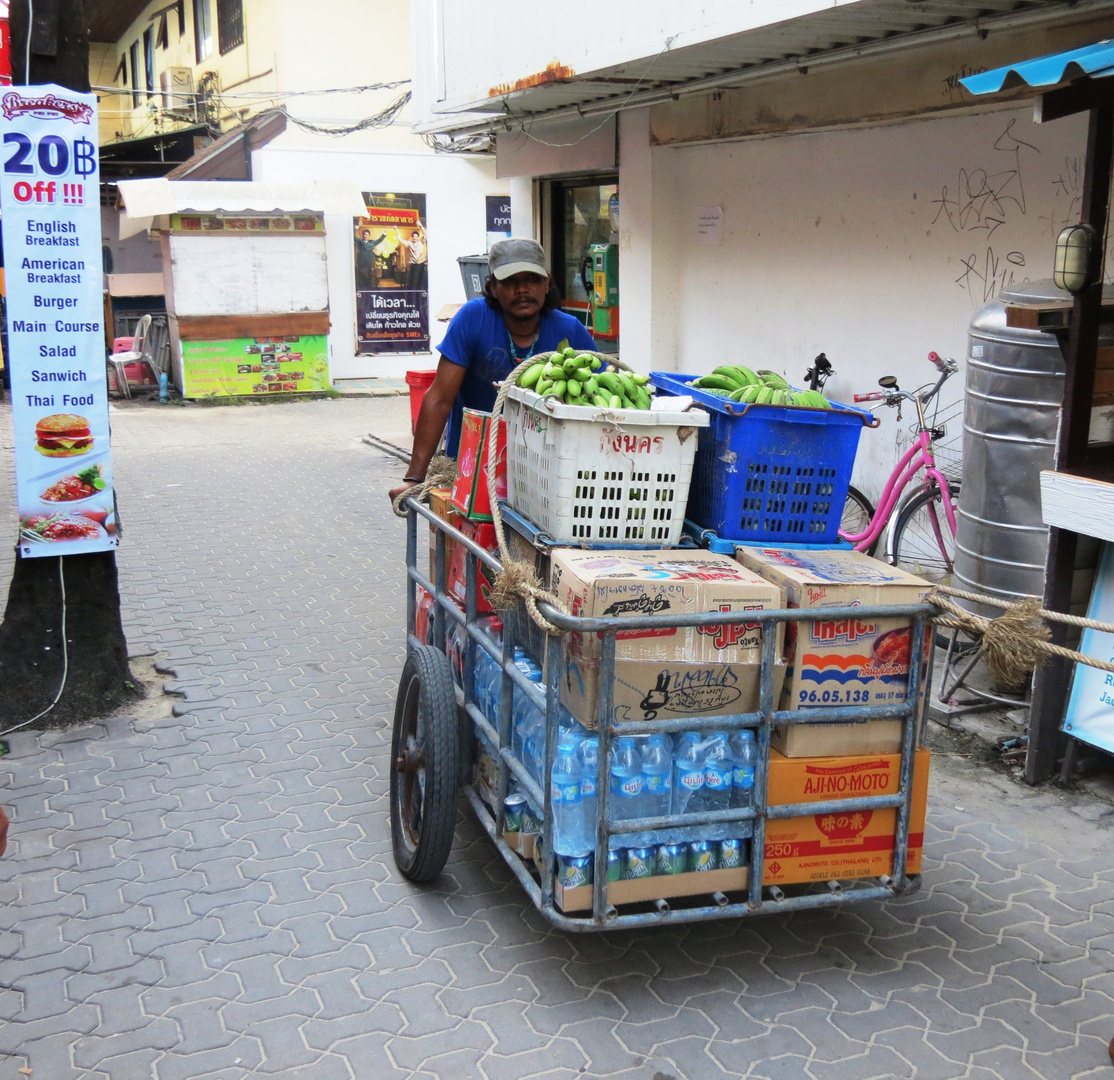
[436, 406]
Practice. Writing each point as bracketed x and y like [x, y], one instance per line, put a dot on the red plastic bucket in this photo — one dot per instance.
[419, 382]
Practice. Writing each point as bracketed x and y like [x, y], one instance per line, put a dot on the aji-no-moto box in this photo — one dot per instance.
[840, 661]
[663, 672]
[847, 845]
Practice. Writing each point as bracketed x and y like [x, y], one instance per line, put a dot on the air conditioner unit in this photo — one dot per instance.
[178, 94]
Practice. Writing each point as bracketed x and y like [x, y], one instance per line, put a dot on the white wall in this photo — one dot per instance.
[874, 246]
[455, 189]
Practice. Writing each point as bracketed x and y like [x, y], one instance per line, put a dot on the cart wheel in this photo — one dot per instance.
[424, 763]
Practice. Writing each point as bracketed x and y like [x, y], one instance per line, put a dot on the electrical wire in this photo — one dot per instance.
[27, 57]
[383, 118]
[264, 95]
[65, 658]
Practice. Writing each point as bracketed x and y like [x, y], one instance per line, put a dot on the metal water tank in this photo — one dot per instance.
[1015, 386]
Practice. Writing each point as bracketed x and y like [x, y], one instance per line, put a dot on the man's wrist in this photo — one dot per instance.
[413, 479]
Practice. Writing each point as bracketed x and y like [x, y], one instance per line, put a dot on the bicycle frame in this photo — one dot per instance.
[918, 456]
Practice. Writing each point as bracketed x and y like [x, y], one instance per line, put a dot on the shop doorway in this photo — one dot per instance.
[583, 211]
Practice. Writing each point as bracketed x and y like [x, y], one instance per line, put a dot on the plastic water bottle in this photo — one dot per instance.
[589, 765]
[568, 800]
[626, 785]
[523, 710]
[688, 774]
[744, 753]
[657, 784]
[718, 772]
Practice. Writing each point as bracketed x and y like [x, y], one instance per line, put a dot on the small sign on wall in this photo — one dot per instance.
[498, 218]
[709, 225]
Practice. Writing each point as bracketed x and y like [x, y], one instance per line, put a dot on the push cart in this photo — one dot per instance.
[437, 724]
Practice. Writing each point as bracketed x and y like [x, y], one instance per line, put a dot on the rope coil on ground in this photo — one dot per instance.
[517, 578]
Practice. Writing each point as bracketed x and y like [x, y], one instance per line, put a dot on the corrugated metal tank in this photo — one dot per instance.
[1015, 386]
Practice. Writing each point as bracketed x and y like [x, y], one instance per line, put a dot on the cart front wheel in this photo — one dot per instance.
[425, 756]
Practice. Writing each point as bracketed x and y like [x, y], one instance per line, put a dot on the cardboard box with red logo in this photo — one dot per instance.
[665, 672]
[840, 661]
[470, 493]
[482, 533]
[422, 618]
[846, 845]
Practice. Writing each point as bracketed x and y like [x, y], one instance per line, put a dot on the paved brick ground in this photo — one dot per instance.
[211, 895]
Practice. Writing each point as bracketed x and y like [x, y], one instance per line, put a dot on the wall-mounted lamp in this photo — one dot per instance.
[1076, 264]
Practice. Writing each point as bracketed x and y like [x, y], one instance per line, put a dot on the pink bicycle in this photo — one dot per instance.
[922, 539]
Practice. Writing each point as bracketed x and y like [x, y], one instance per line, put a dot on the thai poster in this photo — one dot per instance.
[263, 365]
[392, 284]
[50, 194]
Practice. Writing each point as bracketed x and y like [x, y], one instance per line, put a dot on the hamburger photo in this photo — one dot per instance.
[63, 435]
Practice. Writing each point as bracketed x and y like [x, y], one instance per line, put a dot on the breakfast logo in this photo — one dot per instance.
[641, 605]
[47, 107]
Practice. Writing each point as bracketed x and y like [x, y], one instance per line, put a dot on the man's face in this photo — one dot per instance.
[521, 295]
[365, 235]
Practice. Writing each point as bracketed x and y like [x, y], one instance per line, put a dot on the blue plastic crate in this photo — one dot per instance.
[705, 538]
[770, 472]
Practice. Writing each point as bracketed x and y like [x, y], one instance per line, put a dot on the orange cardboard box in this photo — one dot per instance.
[840, 847]
[439, 503]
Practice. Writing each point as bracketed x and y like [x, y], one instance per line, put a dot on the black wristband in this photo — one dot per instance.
[412, 480]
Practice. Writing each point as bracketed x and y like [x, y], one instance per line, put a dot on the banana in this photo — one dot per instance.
[559, 388]
[750, 394]
[737, 395]
[531, 375]
[572, 388]
[772, 378]
[640, 379]
[544, 386]
[616, 402]
[764, 395]
[717, 382]
[731, 375]
[746, 374]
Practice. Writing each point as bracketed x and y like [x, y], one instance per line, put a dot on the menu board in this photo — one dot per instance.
[263, 365]
[50, 195]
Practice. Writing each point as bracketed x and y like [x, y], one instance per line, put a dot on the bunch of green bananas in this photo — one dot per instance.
[748, 387]
[580, 379]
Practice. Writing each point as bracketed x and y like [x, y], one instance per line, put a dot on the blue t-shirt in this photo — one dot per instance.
[477, 339]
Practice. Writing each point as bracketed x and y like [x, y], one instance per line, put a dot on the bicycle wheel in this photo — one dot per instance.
[922, 542]
[424, 765]
[857, 514]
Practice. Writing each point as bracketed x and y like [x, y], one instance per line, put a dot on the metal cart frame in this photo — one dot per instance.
[472, 721]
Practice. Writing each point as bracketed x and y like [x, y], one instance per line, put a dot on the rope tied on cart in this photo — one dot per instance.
[517, 578]
[440, 474]
[1018, 640]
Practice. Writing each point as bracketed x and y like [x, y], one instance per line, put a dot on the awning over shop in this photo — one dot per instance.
[144, 200]
[1094, 60]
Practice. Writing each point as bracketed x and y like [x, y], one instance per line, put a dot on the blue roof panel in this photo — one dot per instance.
[1096, 60]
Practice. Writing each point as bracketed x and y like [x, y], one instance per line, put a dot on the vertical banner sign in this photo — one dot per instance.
[392, 285]
[50, 194]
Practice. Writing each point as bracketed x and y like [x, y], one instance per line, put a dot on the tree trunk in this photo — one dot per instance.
[77, 591]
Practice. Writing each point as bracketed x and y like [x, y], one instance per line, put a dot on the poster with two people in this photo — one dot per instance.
[392, 284]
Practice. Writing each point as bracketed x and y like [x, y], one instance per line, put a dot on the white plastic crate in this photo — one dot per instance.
[585, 475]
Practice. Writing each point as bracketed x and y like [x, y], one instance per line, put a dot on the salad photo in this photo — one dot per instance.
[48, 528]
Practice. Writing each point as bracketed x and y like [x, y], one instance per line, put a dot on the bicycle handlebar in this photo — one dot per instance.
[942, 363]
[876, 396]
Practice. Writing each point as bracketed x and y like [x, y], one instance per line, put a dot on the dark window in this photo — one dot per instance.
[230, 24]
[162, 39]
[149, 61]
[137, 81]
[181, 7]
[202, 30]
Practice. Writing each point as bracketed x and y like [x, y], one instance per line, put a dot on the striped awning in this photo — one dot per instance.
[1095, 60]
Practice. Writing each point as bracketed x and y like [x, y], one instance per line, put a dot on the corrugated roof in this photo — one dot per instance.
[1095, 60]
[843, 31]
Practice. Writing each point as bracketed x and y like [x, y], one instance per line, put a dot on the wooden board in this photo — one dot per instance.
[254, 275]
[1078, 504]
[226, 327]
